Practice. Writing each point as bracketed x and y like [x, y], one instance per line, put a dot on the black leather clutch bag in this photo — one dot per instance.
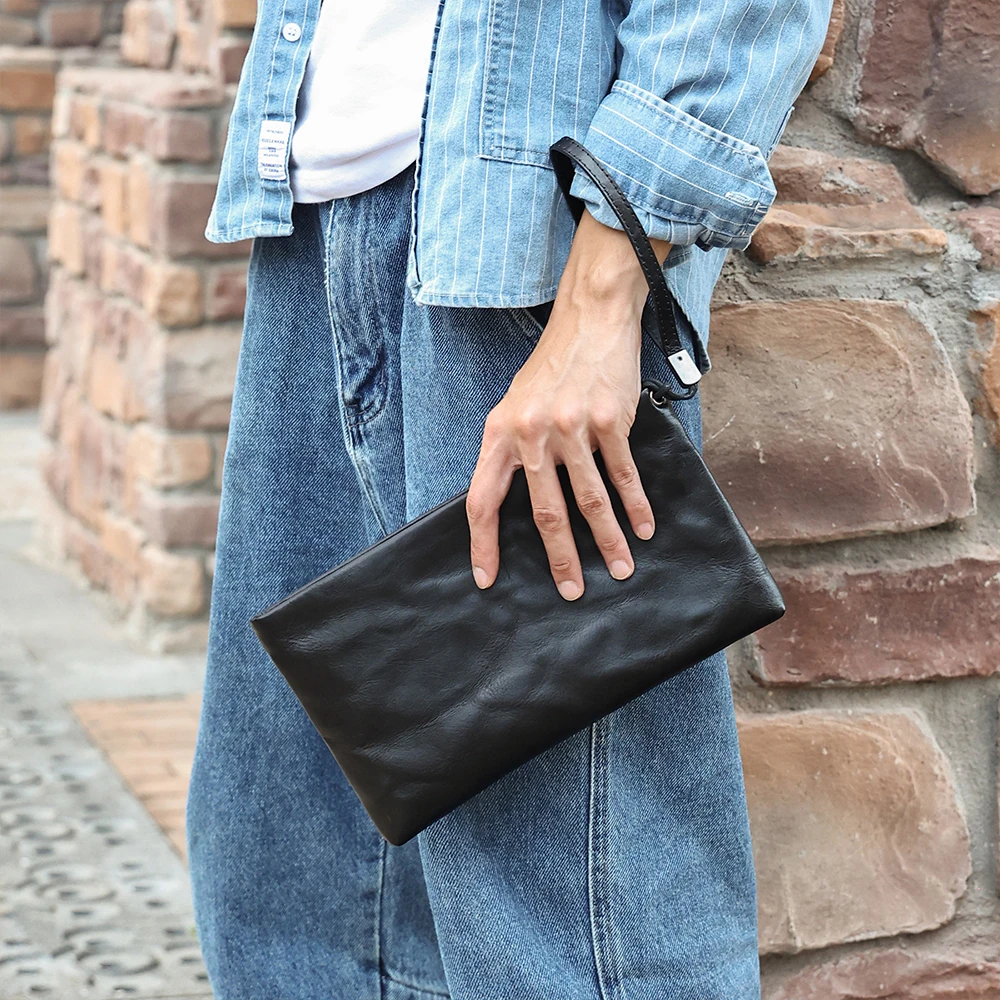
[427, 689]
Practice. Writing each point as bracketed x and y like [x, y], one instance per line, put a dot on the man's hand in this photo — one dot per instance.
[576, 393]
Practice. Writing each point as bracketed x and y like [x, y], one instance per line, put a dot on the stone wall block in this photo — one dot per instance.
[179, 521]
[856, 826]
[983, 226]
[179, 210]
[199, 369]
[26, 87]
[901, 622]
[168, 461]
[829, 419]
[930, 81]
[840, 208]
[20, 379]
[986, 364]
[171, 584]
[65, 243]
[894, 974]
[19, 277]
[173, 294]
[24, 209]
[66, 24]
[148, 33]
[825, 59]
[181, 137]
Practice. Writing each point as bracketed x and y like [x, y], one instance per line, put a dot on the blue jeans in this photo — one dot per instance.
[616, 866]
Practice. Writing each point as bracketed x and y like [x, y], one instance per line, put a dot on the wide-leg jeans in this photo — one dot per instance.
[616, 866]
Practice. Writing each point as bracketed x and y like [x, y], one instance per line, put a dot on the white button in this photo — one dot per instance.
[291, 32]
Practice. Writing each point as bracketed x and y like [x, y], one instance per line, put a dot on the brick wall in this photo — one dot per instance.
[36, 38]
[851, 416]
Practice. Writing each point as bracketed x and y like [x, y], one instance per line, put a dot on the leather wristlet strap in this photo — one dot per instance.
[566, 152]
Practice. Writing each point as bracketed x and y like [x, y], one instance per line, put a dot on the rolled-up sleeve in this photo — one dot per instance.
[703, 93]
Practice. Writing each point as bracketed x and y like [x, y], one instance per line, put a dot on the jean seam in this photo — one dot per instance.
[348, 427]
[379, 902]
[412, 986]
[596, 863]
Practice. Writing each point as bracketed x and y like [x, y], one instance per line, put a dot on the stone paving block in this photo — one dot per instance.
[150, 742]
[94, 904]
[829, 419]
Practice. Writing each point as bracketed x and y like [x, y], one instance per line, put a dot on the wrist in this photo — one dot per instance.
[602, 267]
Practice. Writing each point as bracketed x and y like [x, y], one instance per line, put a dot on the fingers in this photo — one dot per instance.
[594, 503]
[624, 477]
[489, 486]
[548, 506]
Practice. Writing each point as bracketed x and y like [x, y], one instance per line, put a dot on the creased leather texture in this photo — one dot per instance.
[428, 689]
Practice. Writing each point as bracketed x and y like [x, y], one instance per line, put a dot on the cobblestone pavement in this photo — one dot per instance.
[94, 901]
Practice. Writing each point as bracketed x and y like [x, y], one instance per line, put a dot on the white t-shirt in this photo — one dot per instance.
[358, 115]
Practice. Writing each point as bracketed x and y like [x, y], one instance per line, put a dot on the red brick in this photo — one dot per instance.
[24, 209]
[17, 31]
[843, 453]
[22, 7]
[65, 24]
[901, 622]
[983, 226]
[139, 199]
[857, 829]
[85, 121]
[894, 974]
[230, 54]
[125, 128]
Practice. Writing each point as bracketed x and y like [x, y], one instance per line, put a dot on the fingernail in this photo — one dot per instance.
[645, 531]
[479, 575]
[620, 569]
[569, 590]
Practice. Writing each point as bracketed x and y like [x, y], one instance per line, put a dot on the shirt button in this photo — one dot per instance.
[291, 32]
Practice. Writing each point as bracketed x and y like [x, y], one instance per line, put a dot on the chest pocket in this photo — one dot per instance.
[547, 67]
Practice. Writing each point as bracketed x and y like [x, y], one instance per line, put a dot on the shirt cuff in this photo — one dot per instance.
[690, 184]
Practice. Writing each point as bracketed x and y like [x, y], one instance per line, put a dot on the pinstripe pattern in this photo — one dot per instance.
[683, 100]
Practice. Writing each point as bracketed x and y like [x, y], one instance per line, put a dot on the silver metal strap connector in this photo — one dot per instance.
[684, 368]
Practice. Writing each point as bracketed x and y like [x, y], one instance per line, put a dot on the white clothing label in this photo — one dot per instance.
[272, 150]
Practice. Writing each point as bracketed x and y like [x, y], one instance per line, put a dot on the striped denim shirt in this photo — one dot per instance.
[682, 100]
